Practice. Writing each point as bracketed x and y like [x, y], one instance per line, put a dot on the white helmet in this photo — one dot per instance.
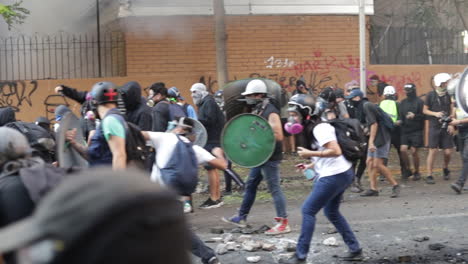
[254, 87]
[441, 78]
[389, 90]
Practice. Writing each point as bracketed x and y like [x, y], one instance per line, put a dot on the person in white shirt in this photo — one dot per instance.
[165, 144]
[334, 174]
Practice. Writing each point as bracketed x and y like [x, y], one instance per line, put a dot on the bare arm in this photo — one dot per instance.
[119, 155]
[275, 123]
[332, 149]
[80, 148]
[428, 112]
[219, 162]
[373, 132]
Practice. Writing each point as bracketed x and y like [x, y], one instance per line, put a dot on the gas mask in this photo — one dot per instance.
[441, 91]
[294, 125]
[149, 101]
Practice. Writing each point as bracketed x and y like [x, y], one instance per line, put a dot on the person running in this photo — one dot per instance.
[335, 175]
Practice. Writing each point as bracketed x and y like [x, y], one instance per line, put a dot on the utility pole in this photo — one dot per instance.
[220, 37]
[98, 20]
[362, 45]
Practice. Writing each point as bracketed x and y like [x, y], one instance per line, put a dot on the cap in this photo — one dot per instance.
[354, 93]
[409, 86]
[352, 84]
[83, 201]
[339, 93]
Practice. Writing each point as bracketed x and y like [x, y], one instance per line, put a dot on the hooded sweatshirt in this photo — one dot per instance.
[7, 115]
[415, 105]
[138, 113]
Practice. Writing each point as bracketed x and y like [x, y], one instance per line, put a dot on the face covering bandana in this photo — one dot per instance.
[441, 91]
[294, 126]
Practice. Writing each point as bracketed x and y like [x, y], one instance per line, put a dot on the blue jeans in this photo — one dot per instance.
[326, 194]
[269, 170]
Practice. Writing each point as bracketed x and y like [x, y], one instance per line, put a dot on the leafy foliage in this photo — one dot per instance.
[13, 14]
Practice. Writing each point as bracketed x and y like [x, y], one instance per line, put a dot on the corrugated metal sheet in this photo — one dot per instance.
[246, 7]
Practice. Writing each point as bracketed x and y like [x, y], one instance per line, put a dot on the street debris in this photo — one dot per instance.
[331, 241]
[254, 259]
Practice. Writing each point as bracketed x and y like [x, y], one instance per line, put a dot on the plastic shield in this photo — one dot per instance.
[461, 92]
[200, 132]
[248, 140]
[67, 156]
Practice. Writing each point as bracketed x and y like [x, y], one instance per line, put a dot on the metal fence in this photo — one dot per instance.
[62, 56]
[418, 46]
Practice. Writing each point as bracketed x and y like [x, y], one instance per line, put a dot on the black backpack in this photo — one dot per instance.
[350, 137]
[181, 171]
[384, 118]
[175, 111]
[135, 144]
[40, 140]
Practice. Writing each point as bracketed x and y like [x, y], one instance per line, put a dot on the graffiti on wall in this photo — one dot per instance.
[273, 62]
[15, 93]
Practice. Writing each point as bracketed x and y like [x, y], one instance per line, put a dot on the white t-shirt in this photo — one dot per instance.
[328, 166]
[164, 144]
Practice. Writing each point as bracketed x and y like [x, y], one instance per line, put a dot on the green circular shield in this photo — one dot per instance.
[248, 140]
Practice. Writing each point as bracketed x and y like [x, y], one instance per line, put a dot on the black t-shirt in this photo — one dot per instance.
[414, 105]
[372, 116]
[278, 152]
[437, 103]
[160, 115]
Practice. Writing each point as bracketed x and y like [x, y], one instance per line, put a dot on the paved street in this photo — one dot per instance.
[387, 228]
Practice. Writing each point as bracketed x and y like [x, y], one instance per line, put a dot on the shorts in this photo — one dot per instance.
[209, 147]
[439, 138]
[283, 122]
[413, 139]
[381, 152]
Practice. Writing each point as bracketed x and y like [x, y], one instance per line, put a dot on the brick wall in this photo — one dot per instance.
[181, 45]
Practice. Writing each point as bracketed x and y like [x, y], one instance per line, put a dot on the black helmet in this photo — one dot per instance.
[13, 145]
[410, 87]
[303, 104]
[104, 92]
[328, 94]
[218, 94]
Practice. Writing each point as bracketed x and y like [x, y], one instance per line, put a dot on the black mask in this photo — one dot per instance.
[355, 103]
[410, 93]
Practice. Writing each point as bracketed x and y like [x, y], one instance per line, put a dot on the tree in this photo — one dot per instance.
[13, 14]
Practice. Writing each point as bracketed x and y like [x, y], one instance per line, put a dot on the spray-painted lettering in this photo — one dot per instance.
[14, 94]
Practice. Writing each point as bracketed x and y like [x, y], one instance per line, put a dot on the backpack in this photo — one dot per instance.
[40, 140]
[384, 119]
[350, 137]
[176, 110]
[135, 144]
[181, 171]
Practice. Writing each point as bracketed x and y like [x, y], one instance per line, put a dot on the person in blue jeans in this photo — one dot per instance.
[335, 174]
[256, 97]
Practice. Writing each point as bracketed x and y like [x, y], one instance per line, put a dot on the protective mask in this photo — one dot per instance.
[293, 126]
[410, 93]
[441, 91]
[149, 101]
[252, 101]
[354, 103]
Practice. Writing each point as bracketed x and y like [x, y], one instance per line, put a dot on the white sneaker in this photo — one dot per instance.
[188, 207]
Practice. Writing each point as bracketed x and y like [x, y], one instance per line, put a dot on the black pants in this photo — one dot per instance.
[200, 249]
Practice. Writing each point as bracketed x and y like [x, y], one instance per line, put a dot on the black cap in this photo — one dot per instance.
[42, 120]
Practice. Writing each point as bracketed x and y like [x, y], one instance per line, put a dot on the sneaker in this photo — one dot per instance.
[446, 174]
[240, 221]
[214, 260]
[416, 176]
[456, 187]
[370, 192]
[430, 180]
[356, 188]
[281, 227]
[405, 174]
[395, 191]
[208, 204]
[353, 256]
[188, 207]
[292, 260]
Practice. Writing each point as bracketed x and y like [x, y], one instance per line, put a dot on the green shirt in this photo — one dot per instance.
[111, 126]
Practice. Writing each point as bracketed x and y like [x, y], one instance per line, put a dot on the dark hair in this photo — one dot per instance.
[374, 77]
[159, 88]
[188, 122]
